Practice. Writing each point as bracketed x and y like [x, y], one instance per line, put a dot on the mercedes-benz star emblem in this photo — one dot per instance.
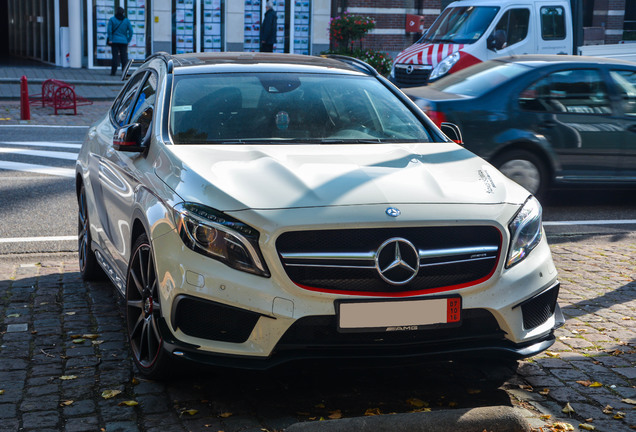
[393, 212]
[397, 261]
[409, 69]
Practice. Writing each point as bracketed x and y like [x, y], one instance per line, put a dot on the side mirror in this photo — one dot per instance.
[452, 131]
[491, 43]
[128, 138]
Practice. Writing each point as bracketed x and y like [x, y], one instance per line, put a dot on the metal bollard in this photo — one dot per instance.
[25, 109]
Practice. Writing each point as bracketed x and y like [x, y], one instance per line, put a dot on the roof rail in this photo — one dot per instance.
[356, 63]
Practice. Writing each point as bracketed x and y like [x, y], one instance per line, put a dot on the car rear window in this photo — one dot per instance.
[276, 108]
[480, 78]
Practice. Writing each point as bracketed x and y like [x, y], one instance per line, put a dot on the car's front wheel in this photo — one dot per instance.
[526, 169]
[143, 312]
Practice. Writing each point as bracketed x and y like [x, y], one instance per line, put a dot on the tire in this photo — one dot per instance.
[143, 312]
[89, 267]
[526, 169]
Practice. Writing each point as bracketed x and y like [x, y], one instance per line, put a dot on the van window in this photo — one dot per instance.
[460, 25]
[511, 29]
[552, 23]
[576, 91]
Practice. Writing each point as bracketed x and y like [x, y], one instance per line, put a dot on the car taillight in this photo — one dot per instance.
[436, 117]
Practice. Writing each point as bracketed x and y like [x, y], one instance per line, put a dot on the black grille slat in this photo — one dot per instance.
[539, 309]
[435, 272]
[214, 321]
[418, 77]
[320, 332]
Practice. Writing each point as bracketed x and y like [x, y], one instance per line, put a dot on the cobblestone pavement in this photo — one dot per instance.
[62, 346]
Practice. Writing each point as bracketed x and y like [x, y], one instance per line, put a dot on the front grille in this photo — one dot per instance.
[418, 76]
[539, 309]
[320, 333]
[214, 321]
[347, 260]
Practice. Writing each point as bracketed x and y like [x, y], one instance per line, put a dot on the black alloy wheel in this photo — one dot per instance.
[89, 268]
[143, 311]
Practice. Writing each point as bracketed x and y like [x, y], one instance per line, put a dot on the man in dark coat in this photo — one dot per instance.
[268, 28]
[120, 33]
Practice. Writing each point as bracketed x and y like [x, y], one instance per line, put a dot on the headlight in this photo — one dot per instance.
[221, 237]
[525, 231]
[445, 65]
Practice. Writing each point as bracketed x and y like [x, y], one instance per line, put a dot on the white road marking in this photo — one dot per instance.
[42, 144]
[40, 169]
[40, 153]
[37, 239]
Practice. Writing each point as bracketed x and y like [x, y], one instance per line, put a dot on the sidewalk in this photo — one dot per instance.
[63, 350]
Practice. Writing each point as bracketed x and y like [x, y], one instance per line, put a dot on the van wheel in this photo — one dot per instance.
[526, 169]
[143, 312]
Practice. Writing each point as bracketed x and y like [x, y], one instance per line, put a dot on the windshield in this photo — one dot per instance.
[460, 25]
[480, 78]
[276, 108]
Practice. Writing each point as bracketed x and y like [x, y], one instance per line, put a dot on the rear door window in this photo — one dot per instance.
[512, 28]
[626, 84]
[552, 23]
[576, 91]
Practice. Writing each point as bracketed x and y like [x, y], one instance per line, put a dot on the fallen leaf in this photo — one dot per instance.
[97, 342]
[13, 315]
[526, 387]
[568, 408]
[90, 336]
[226, 414]
[545, 416]
[425, 409]
[626, 318]
[608, 409]
[107, 394]
[372, 412]
[417, 403]
[337, 414]
[452, 404]
[128, 403]
[585, 383]
[544, 392]
[189, 412]
[134, 381]
[1, 392]
[596, 384]
[473, 391]
[551, 354]
[320, 405]
[70, 313]
[563, 427]
[619, 415]
[586, 426]
[68, 377]
[79, 341]
[66, 403]
[629, 401]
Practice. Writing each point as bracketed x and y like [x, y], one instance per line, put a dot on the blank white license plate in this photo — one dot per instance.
[395, 315]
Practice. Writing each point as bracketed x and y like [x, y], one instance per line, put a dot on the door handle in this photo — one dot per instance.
[548, 123]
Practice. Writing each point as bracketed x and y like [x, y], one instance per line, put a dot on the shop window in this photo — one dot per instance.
[213, 25]
[579, 91]
[552, 23]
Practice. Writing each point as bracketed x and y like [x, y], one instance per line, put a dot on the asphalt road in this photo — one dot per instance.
[38, 206]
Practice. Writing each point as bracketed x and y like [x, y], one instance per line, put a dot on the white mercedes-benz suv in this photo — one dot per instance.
[258, 208]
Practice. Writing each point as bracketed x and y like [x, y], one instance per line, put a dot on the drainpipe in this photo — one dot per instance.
[75, 33]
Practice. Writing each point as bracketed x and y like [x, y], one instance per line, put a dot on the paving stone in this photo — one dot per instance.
[40, 419]
[81, 424]
[80, 408]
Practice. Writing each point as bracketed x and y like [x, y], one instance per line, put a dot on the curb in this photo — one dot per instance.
[496, 418]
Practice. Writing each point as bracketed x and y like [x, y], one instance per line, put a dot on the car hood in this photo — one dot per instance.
[232, 178]
[432, 94]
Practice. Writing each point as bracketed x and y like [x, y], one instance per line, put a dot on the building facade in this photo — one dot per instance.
[73, 32]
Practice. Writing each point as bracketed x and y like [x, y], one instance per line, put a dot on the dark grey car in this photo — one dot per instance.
[544, 121]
